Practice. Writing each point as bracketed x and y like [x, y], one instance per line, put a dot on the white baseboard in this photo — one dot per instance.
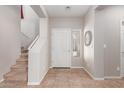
[98, 78]
[42, 77]
[76, 67]
[33, 83]
[112, 77]
[94, 78]
[38, 83]
[89, 73]
[70, 67]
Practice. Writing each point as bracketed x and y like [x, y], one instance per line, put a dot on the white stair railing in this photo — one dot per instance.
[33, 43]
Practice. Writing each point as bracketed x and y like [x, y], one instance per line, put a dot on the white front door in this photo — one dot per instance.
[60, 47]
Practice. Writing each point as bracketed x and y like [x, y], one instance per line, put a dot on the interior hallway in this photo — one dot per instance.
[101, 56]
[68, 78]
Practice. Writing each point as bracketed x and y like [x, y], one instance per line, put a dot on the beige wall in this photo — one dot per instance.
[108, 22]
[89, 50]
[9, 37]
[105, 24]
[74, 23]
[98, 45]
[29, 26]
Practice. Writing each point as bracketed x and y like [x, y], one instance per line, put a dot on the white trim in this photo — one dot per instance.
[42, 77]
[34, 41]
[1, 80]
[44, 11]
[94, 78]
[76, 67]
[80, 57]
[112, 77]
[33, 83]
[89, 73]
[98, 78]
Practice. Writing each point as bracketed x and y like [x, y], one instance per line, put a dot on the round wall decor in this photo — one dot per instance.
[88, 38]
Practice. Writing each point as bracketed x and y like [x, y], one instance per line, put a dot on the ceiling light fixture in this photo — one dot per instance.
[68, 8]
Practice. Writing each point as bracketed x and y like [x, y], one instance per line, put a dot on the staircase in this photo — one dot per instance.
[18, 72]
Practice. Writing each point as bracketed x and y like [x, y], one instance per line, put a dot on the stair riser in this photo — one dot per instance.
[18, 83]
[15, 80]
[19, 74]
[18, 69]
[24, 51]
[22, 62]
[24, 56]
[22, 59]
[21, 78]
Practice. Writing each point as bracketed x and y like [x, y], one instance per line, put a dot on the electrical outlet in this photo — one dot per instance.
[118, 68]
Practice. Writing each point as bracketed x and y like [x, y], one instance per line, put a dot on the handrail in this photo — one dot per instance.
[32, 44]
[24, 34]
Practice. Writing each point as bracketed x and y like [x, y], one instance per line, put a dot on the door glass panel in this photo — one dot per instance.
[75, 43]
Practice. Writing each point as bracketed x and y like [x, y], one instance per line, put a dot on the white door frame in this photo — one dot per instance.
[69, 30]
[81, 49]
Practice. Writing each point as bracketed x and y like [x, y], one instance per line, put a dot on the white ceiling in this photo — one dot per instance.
[60, 11]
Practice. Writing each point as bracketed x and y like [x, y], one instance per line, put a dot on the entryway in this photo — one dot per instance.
[61, 47]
